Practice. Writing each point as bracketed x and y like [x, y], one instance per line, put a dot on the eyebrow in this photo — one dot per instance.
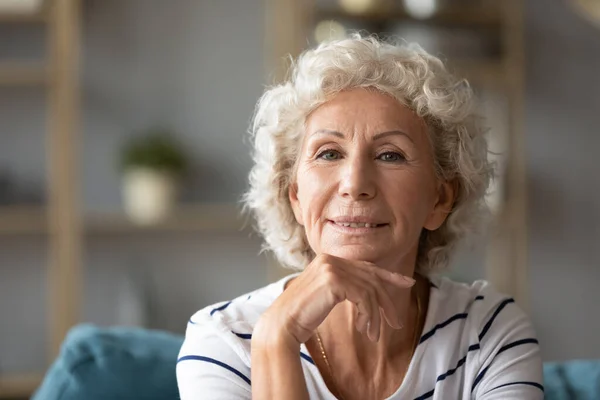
[377, 136]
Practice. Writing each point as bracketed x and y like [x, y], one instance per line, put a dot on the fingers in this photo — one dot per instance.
[388, 309]
[364, 296]
[398, 280]
[362, 320]
[329, 280]
[381, 305]
[369, 292]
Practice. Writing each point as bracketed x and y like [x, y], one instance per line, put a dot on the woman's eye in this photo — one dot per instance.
[329, 155]
[391, 156]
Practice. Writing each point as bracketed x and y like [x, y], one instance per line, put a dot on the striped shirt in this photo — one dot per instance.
[476, 344]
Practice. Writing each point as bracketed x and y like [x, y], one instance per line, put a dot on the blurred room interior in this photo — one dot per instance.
[95, 94]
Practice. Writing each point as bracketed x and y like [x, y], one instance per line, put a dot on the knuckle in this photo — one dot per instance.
[329, 273]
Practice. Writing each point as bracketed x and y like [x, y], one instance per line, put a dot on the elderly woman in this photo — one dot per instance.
[370, 165]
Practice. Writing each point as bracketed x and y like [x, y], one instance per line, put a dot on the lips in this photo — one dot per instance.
[358, 224]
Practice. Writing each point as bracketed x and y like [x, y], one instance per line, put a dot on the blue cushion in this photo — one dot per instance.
[132, 363]
[572, 380]
[113, 363]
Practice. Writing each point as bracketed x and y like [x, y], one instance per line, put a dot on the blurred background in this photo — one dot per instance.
[124, 153]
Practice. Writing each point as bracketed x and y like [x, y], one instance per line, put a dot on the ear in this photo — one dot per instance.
[447, 192]
[293, 196]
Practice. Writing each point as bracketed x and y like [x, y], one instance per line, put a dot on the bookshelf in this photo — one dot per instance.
[58, 75]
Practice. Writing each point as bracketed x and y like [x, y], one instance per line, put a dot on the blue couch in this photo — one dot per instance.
[128, 363]
[113, 363]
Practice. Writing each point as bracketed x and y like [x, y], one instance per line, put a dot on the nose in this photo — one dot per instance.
[357, 180]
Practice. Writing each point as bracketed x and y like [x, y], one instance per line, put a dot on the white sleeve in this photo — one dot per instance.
[209, 368]
[511, 365]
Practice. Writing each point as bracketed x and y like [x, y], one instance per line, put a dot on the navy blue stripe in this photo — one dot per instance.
[502, 349]
[447, 322]
[242, 335]
[487, 326]
[224, 306]
[216, 362]
[425, 396]
[307, 358]
[473, 347]
[479, 378]
[517, 343]
[191, 322]
[440, 378]
[442, 325]
[249, 336]
[534, 384]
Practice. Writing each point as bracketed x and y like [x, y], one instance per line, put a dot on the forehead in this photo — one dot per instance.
[364, 109]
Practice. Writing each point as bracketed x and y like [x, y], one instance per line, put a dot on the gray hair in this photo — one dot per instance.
[417, 80]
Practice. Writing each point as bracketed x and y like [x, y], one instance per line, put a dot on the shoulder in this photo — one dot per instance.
[229, 324]
[496, 338]
[473, 317]
[215, 355]
[488, 312]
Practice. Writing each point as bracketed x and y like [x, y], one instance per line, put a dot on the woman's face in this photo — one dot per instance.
[365, 185]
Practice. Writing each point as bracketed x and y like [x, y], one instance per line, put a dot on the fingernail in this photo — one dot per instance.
[409, 279]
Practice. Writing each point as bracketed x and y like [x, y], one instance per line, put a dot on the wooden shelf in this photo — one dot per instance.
[23, 18]
[17, 220]
[22, 74]
[186, 219]
[476, 16]
[19, 386]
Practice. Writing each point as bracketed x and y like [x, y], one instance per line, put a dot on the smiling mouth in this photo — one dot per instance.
[357, 225]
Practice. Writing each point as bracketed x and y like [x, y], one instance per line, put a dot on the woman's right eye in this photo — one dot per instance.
[329, 155]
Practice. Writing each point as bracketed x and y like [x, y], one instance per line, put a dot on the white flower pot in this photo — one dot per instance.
[149, 195]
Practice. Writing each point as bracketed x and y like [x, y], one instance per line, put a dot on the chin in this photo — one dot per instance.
[356, 253]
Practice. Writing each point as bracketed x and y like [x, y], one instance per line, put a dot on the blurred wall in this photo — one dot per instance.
[562, 149]
[194, 65]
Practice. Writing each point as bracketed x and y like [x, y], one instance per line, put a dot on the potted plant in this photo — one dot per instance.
[152, 166]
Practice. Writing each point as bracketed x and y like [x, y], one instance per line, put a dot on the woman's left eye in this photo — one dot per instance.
[391, 156]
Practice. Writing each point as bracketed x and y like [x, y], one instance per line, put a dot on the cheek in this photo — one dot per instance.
[313, 183]
[315, 192]
[413, 196]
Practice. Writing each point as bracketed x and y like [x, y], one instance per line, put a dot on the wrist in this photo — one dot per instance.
[269, 334]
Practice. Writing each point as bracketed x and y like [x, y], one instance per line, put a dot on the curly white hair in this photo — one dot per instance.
[417, 80]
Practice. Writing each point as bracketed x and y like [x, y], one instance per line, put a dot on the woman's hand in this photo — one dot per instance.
[327, 281]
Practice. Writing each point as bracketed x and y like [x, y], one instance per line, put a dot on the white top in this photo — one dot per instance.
[476, 344]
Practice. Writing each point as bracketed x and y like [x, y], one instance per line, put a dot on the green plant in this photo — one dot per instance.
[156, 149]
